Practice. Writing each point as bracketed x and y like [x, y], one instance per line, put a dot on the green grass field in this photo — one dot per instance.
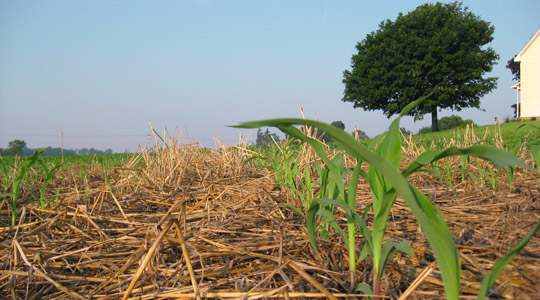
[510, 133]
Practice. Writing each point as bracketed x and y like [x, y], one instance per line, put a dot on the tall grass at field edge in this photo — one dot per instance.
[511, 133]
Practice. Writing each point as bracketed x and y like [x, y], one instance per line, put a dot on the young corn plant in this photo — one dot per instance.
[386, 182]
[486, 171]
[512, 169]
[446, 173]
[16, 184]
[285, 161]
[49, 170]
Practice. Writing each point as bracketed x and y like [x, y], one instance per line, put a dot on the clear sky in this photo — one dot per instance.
[98, 71]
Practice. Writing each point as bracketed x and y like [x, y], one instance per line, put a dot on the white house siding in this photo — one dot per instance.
[530, 78]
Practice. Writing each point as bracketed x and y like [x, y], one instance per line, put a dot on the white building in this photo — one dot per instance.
[528, 89]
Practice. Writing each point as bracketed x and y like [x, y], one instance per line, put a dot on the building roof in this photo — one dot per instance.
[518, 57]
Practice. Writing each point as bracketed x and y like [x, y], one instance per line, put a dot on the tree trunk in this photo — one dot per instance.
[434, 121]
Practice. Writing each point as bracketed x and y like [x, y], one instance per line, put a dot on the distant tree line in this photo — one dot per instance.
[18, 147]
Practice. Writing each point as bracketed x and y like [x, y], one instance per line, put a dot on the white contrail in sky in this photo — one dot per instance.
[324, 18]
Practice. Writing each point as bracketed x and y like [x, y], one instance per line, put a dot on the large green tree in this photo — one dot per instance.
[15, 147]
[437, 50]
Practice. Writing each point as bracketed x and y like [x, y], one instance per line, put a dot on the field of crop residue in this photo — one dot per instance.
[180, 222]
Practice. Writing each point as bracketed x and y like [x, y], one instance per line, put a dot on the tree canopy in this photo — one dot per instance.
[265, 138]
[450, 122]
[435, 51]
[325, 138]
[514, 67]
[338, 124]
[15, 147]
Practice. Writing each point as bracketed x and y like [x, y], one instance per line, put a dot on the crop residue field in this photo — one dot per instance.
[180, 221]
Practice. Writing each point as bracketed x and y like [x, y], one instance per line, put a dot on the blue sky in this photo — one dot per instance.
[98, 71]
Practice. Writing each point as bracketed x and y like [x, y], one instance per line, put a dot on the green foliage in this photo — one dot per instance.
[447, 123]
[16, 180]
[18, 147]
[15, 147]
[386, 182]
[290, 171]
[514, 67]
[405, 131]
[511, 169]
[510, 133]
[266, 138]
[453, 121]
[423, 130]
[338, 124]
[49, 170]
[325, 138]
[24, 180]
[499, 265]
[399, 63]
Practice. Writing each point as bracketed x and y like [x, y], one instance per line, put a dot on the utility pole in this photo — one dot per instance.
[62, 144]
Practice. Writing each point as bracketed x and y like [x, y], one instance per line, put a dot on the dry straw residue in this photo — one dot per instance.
[181, 221]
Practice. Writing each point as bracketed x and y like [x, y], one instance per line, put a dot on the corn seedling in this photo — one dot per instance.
[511, 169]
[16, 183]
[463, 168]
[49, 170]
[499, 265]
[386, 182]
[5, 179]
[486, 172]
[446, 173]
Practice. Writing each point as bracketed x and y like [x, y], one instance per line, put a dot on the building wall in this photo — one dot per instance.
[530, 80]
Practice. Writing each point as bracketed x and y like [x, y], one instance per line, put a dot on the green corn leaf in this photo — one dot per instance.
[323, 192]
[535, 151]
[499, 265]
[516, 148]
[386, 201]
[404, 247]
[388, 252]
[366, 210]
[498, 157]
[349, 236]
[18, 181]
[383, 199]
[348, 212]
[430, 219]
[359, 221]
[311, 224]
[364, 288]
[331, 220]
[293, 208]
[353, 185]
[413, 104]
[366, 250]
[319, 149]
[390, 147]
